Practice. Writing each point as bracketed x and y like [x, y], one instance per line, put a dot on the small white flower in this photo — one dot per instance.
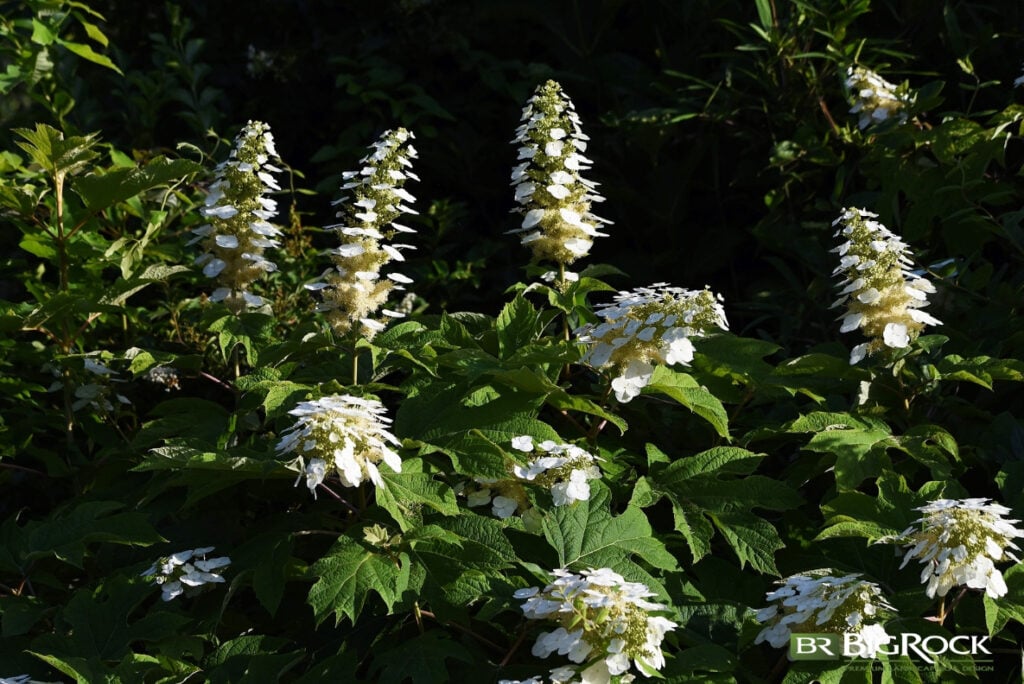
[504, 507]
[523, 443]
[634, 378]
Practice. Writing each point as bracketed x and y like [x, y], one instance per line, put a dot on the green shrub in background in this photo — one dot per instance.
[220, 463]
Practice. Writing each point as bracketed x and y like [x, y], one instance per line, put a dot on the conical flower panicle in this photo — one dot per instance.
[882, 296]
[554, 198]
[958, 542]
[646, 326]
[353, 291]
[343, 435]
[603, 620]
[819, 601]
[875, 99]
[239, 213]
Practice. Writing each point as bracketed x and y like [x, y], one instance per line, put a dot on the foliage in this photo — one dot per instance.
[139, 418]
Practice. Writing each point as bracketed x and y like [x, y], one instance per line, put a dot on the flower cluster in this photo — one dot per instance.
[353, 290]
[97, 392]
[875, 98]
[563, 469]
[239, 214]
[566, 675]
[883, 297]
[553, 196]
[821, 602]
[340, 434]
[603, 620]
[958, 543]
[184, 572]
[649, 325]
[167, 376]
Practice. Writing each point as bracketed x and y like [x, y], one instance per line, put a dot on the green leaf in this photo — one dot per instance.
[708, 485]
[18, 614]
[250, 659]
[444, 415]
[684, 389]
[405, 494]
[851, 440]
[348, 574]
[754, 539]
[198, 420]
[587, 535]
[39, 245]
[68, 532]
[468, 542]
[101, 625]
[421, 659]
[101, 190]
[697, 530]
[516, 325]
[86, 52]
[270, 576]
[856, 514]
[48, 148]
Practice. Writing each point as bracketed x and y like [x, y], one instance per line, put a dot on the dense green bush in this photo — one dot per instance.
[233, 451]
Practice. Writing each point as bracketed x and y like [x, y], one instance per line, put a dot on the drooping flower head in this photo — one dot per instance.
[882, 296]
[821, 602]
[959, 541]
[354, 290]
[563, 469]
[649, 325]
[239, 213]
[875, 99]
[603, 620]
[184, 572]
[341, 434]
[554, 198]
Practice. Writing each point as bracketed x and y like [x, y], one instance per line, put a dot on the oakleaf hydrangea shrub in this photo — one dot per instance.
[687, 474]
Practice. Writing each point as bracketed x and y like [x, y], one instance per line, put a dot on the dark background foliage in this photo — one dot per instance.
[714, 145]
